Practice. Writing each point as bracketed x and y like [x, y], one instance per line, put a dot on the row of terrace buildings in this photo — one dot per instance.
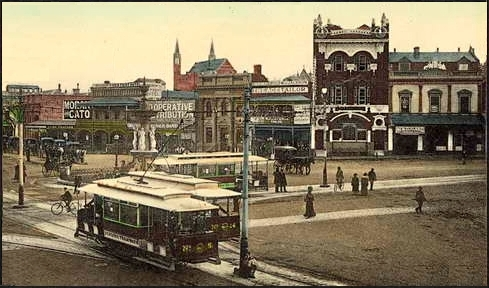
[360, 99]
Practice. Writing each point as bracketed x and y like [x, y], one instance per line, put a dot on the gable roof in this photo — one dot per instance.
[207, 65]
[430, 56]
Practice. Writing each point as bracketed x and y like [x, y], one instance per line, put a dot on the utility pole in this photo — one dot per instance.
[20, 120]
[243, 269]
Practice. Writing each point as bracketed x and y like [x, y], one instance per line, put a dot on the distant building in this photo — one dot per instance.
[129, 89]
[211, 66]
[350, 87]
[437, 102]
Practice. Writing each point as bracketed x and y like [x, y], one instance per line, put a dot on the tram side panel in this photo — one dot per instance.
[152, 233]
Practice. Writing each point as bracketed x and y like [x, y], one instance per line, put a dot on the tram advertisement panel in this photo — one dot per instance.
[226, 227]
[196, 247]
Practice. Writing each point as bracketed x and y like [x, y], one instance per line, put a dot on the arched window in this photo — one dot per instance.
[362, 61]
[405, 101]
[464, 101]
[435, 100]
[208, 109]
[338, 63]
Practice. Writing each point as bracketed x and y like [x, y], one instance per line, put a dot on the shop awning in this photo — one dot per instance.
[43, 124]
[437, 119]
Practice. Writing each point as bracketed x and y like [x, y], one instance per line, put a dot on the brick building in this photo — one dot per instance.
[189, 80]
[350, 87]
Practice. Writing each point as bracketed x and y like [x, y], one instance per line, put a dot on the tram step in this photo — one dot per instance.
[159, 263]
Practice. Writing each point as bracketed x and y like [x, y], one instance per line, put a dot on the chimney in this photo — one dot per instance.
[394, 50]
[437, 49]
[416, 52]
[257, 69]
[59, 87]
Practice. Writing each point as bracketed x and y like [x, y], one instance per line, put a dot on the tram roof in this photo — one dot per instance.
[167, 198]
[202, 188]
[206, 158]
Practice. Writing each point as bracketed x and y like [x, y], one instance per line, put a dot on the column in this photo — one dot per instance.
[449, 102]
[369, 136]
[420, 142]
[390, 139]
[450, 141]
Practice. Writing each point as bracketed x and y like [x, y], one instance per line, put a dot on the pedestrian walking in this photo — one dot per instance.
[309, 199]
[464, 156]
[371, 178]
[364, 185]
[340, 178]
[355, 183]
[283, 181]
[420, 199]
[276, 179]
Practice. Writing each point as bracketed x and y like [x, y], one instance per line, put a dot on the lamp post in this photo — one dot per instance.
[243, 270]
[116, 142]
[325, 168]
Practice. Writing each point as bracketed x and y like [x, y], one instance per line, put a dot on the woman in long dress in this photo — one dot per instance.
[309, 199]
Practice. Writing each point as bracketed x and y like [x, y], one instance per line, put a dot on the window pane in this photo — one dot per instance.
[361, 134]
[405, 103]
[111, 210]
[128, 214]
[336, 134]
[349, 132]
[464, 104]
[208, 135]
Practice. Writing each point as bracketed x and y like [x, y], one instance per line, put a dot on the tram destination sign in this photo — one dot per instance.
[409, 130]
[73, 110]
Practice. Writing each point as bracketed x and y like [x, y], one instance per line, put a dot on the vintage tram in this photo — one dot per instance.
[225, 221]
[150, 220]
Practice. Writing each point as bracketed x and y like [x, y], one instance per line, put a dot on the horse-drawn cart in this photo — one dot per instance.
[293, 160]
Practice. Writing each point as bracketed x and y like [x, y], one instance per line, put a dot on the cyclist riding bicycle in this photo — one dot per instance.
[67, 198]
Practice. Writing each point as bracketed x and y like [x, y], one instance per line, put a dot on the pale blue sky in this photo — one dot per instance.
[87, 43]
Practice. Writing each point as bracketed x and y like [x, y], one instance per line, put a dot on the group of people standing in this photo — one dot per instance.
[361, 185]
[280, 180]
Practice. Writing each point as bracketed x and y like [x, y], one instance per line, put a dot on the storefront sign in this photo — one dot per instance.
[280, 90]
[71, 110]
[409, 130]
[172, 111]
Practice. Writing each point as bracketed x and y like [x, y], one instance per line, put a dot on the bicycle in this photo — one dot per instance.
[338, 186]
[58, 207]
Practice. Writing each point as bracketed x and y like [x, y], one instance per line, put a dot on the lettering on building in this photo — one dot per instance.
[283, 90]
[71, 110]
[409, 130]
[170, 112]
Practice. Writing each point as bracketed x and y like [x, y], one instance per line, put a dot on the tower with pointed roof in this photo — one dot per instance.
[177, 65]
[189, 80]
[212, 55]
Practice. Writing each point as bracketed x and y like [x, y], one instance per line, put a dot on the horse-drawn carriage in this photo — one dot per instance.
[294, 160]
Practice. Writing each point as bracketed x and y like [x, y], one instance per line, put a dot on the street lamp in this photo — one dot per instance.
[116, 139]
[325, 168]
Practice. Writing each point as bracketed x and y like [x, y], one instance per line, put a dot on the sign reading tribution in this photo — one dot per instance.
[71, 110]
[409, 130]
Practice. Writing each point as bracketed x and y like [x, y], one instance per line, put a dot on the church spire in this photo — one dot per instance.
[212, 55]
[176, 55]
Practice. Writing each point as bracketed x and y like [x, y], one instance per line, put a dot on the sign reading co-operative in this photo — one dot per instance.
[73, 109]
[170, 112]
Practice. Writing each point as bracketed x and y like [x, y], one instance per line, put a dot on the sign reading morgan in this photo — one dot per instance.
[73, 110]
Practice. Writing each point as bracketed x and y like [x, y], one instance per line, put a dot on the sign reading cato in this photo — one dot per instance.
[72, 109]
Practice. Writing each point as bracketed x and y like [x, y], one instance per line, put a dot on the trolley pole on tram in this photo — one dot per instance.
[243, 268]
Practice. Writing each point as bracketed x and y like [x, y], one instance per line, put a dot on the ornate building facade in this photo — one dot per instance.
[350, 87]
[437, 102]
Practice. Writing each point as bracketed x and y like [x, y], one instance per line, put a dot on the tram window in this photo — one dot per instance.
[207, 170]
[226, 169]
[111, 210]
[129, 214]
[143, 216]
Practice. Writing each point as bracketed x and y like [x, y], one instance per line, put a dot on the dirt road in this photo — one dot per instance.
[445, 246]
